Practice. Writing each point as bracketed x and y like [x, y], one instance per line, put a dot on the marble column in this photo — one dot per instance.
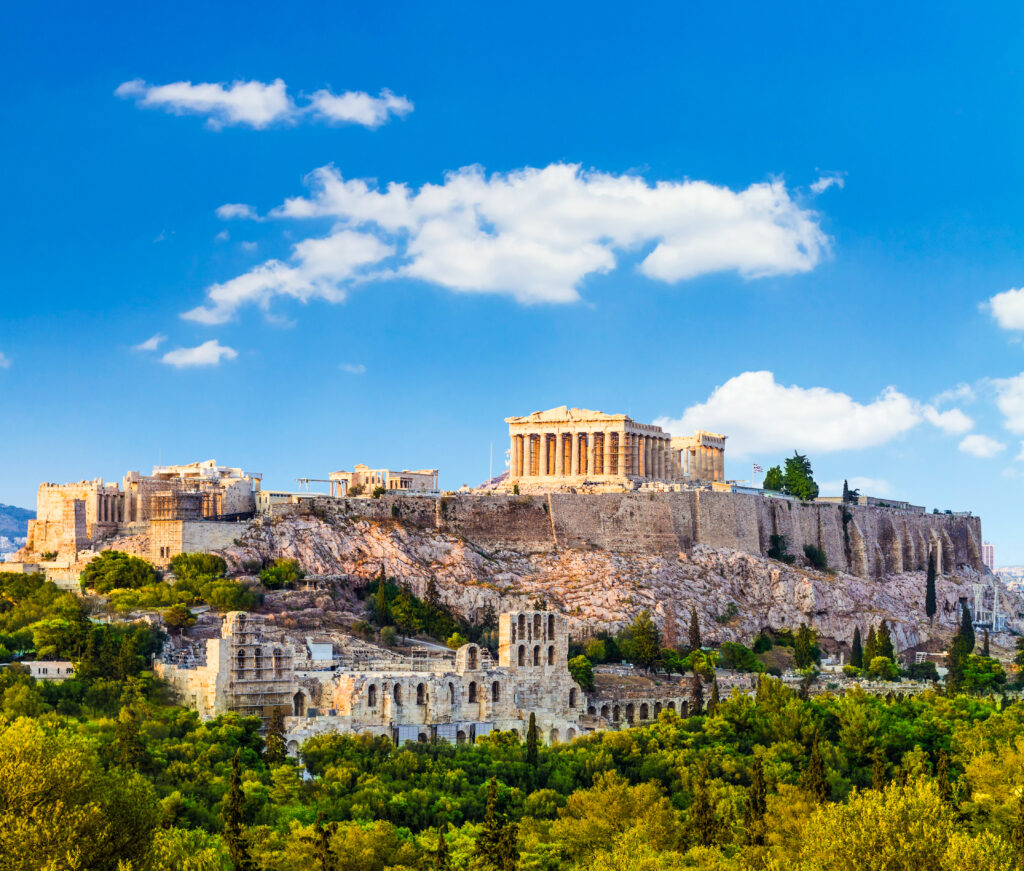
[543, 454]
[591, 454]
[659, 464]
[574, 469]
[527, 455]
[559, 454]
[513, 458]
[719, 465]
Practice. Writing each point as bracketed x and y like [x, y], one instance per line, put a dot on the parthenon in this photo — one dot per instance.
[572, 446]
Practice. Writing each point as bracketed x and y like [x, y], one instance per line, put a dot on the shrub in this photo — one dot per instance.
[763, 643]
[923, 671]
[738, 657]
[379, 491]
[388, 636]
[582, 672]
[851, 671]
[456, 640]
[281, 573]
[816, 557]
[778, 549]
[115, 570]
[196, 566]
[882, 668]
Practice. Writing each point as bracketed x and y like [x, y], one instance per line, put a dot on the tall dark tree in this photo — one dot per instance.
[531, 741]
[383, 612]
[815, 780]
[883, 642]
[856, 650]
[234, 819]
[697, 694]
[798, 478]
[960, 648]
[804, 646]
[431, 595]
[1017, 832]
[442, 860]
[274, 750]
[704, 825]
[497, 843]
[129, 749]
[645, 641]
[877, 770]
[326, 858]
[773, 479]
[757, 804]
[696, 643]
[984, 644]
[942, 776]
[929, 588]
[870, 647]
[714, 699]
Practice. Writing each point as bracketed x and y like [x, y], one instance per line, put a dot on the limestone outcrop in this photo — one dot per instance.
[735, 593]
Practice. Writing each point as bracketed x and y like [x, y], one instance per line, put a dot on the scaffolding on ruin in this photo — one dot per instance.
[986, 612]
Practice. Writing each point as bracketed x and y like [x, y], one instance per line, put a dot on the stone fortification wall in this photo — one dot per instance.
[861, 540]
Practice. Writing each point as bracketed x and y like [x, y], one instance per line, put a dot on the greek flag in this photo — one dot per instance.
[757, 468]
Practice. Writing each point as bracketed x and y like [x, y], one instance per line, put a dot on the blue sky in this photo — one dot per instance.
[801, 229]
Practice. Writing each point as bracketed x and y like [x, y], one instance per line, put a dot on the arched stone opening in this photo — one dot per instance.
[572, 698]
[671, 706]
[522, 654]
[551, 626]
[473, 658]
[422, 737]
[536, 655]
[460, 737]
[421, 694]
[630, 712]
[605, 711]
[553, 737]
[299, 704]
[278, 660]
[536, 627]
[240, 663]
[551, 654]
[644, 711]
[451, 694]
[522, 625]
[257, 663]
[657, 708]
[496, 692]
[472, 691]
[398, 694]
[371, 696]
[615, 714]
[570, 735]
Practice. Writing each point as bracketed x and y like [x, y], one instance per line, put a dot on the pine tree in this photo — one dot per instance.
[929, 589]
[877, 771]
[697, 693]
[274, 751]
[704, 825]
[942, 776]
[234, 819]
[984, 644]
[646, 640]
[695, 639]
[531, 742]
[442, 861]
[803, 646]
[713, 701]
[883, 642]
[856, 650]
[815, 780]
[431, 595]
[383, 613]
[757, 804]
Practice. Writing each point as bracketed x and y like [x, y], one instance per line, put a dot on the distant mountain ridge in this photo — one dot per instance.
[14, 520]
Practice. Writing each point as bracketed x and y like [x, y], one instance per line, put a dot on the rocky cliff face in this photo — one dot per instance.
[601, 589]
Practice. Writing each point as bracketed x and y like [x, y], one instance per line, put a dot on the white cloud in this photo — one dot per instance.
[242, 211]
[1008, 308]
[5, 361]
[353, 368]
[867, 486]
[252, 103]
[536, 234]
[259, 105]
[827, 181]
[207, 354]
[355, 107]
[151, 344]
[761, 416]
[961, 393]
[1010, 401]
[981, 446]
[319, 267]
[249, 247]
[953, 421]
[223, 236]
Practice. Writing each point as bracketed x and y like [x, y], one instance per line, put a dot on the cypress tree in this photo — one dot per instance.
[984, 644]
[929, 589]
[883, 642]
[695, 639]
[757, 804]
[814, 780]
[383, 612]
[531, 741]
[942, 776]
[274, 750]
[442, 861]
[497, 842]
[877, 771]
[967, 631]
[871, 647]
[703, 823]
[234, 820]
[697, 692]
[857, 650]
[713, 701]
[326, 859]
[129, 751]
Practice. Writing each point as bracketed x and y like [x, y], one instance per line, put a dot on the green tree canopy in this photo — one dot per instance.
[116, 570]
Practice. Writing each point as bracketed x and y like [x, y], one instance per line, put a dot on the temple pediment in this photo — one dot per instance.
[564, 413]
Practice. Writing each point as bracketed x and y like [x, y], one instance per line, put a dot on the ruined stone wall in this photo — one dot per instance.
[167, 538]
[862, 540]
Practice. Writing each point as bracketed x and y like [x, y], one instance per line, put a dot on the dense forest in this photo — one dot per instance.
[104, 772]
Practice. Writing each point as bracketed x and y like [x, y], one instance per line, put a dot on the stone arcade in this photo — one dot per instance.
[253, 669]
